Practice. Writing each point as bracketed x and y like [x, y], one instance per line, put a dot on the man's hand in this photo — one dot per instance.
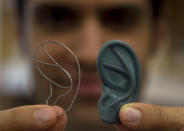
[33, 118]
[147, 117]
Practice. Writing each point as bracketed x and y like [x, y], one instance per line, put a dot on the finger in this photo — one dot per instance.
[61, 120]
[28, 118]
[141, 116]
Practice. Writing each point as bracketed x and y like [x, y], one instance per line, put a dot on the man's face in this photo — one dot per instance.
[83, 26]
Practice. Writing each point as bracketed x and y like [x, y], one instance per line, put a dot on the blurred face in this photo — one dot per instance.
[83, 26]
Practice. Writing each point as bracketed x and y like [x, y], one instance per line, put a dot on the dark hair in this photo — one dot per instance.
[156, 5]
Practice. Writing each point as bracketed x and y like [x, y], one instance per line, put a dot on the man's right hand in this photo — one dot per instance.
[148, 117]
[33, 118]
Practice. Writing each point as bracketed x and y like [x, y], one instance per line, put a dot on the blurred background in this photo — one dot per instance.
[164, 83]
[166, 69]
[14, 70]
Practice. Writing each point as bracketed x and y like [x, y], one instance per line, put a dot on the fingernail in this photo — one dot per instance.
[44, 115]
[132, 115]
[61, 115]
[59, 111]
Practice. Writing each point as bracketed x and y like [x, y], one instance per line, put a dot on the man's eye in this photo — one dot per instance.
[56, 18]
[120, 18]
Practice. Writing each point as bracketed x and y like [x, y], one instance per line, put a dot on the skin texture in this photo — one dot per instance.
[85, 37]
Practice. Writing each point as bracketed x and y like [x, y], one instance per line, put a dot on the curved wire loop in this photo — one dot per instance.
[55, 64]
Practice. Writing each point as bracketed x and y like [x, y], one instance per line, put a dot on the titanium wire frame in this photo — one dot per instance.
[42, 45]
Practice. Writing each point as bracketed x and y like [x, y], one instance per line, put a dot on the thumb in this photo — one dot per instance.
[29, 118]
[139, 116]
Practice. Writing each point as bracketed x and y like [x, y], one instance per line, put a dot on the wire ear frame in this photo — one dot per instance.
[55, 64]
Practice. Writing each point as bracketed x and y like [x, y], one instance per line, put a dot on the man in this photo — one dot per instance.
[84, 26]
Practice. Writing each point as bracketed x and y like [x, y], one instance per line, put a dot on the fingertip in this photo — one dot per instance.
[61, 114]
[61, 119]
[122, 110]
[145, 116]
[130, 116]
[44, 115]
[54, 118]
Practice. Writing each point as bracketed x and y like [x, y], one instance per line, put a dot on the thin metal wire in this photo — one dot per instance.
[50, 95]
[55, 64]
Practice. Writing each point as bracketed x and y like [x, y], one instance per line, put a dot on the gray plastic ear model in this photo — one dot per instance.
[119, 70]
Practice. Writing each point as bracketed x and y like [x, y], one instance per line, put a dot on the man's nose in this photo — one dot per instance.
[90, 42]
